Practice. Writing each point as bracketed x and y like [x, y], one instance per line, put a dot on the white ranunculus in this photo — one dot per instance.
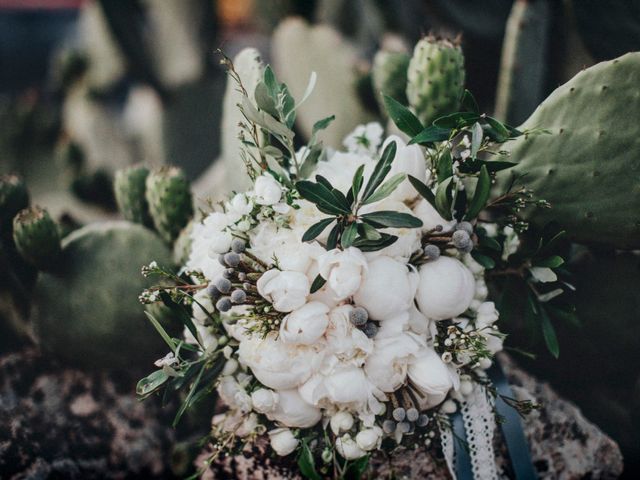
[430, 217]
[388, 287]
[292, 411]
[306, 324]
[409, 159]
[387, 365]
[264, 400]
[282, 441]
[286, 290]
[276, 364]
[432, 377]
[267, 190]
[341, 422]
[348, 448]
[343, 270]
[446, 288]
[369, 438]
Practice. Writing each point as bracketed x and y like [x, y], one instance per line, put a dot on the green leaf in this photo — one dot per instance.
[332, 241]
[163, 333]
[319, 194]
[357, 468]
[424, 191]
[388, 218]
[490, 243]
[272, 85]
[187, 401]
[469, 103]
[485, 261]
[317, 284]
[498, 130]
[375, 245]
[457, 120]
[306, 463]
[549, 333]
[368, 232]
[310, 160]
[476, 139]
[264, 120]
[181, 313]
[430, 135]
[406, 121]
[444, 198]
[480, 196]
[386, 188]
[381, 170]
[356, 183]
[322, 124]
[553, 261]
[496, 165]
[263, 100]
[316, 229]
[151, 383]
[444, 167]
[349, 235]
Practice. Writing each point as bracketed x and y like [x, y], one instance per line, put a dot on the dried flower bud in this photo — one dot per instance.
[388, 426]
[238, 245]
[370, 329]
[465, 226]
[213, 292]
[238, 296]
[232, 259]
[399, 414]
[432, 252]
[224, 304]
[224, 285]
[358, 316]
[412, 414]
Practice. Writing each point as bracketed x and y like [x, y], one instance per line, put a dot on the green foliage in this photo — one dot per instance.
[37, 238]
[588, 166]
[170, 202]
[14, 197]
[389, 74]
[129, 187]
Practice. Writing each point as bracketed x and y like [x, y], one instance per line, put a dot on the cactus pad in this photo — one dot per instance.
[13, 198]
[129, 187]
[435, 78]
[37, 238]
[588, 168]
[88, 313]
[390, 76]
[170, 202]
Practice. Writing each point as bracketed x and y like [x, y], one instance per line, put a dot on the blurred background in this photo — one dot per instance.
[88, 87]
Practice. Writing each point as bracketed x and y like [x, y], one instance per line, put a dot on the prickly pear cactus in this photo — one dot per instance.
[170, 202]
[88, 312]
[37, 238]
[389, 73]
[435, 78]
[129, 187]
[182, 245]
[13, 198]
[588, 167]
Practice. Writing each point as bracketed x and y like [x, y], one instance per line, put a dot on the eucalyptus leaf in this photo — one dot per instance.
[151, 383]
[263, 100]
[265, 120]
[480, 196]
[386, 188]
[406, 121]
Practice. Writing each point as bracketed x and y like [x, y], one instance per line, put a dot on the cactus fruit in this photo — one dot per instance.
[88, 311]
[13, 198]
[170, 202]
[390, 76]
[129, 187]
[37, 238]
[435, 78]
[523, 65]
[588, 167]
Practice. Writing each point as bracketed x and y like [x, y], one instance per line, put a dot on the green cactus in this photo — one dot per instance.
[37, 238]
[523, 66]
[14, 197]
[129, 187]
[588, 167]
[170, 202]
[389, 73]
[435, 78]
[182, 245]
[88, 312]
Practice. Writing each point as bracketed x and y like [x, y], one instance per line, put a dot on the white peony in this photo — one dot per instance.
[343, 340]
[306, 324]
[388, 288]
[276, 364]
[267, 190]
[446, 288]
[292, 411]
[430, 217]
[264, 400]
[343, 270]
[387, 365]
[287, 290]
[341, 166]
[409, 159]
[341, 422]
[269, 241]
[208, 239]
[233, 394]
[369, 438]
[348, 385]
[238, 207]
[283, 441]
[348, 448]
[429, 374]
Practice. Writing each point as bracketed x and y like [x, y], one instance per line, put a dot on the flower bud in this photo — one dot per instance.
[412, 414]
[399, 414]
[264, 400]
[370, 329]
[223, 285]
[238, 296]
[232, 259]
[238, 245]
[224, 304]
[358, 316]
[432, 252]
[341, 422]
[369, 438]
[389, 426]
[282, 441]
[466, 226]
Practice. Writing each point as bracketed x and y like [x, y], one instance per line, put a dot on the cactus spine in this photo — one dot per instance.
[170, 202]
[37, 238]
[129, 188]
[435, 78]
[390, 76]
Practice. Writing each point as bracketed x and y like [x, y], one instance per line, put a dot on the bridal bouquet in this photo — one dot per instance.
[339, 306]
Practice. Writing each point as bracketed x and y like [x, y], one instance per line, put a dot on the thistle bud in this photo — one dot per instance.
[460, 239]
[388, 426]
[412, 414]
[423, 420]
[466, 226]
[370, 329]
[37, 238]
[213, 292]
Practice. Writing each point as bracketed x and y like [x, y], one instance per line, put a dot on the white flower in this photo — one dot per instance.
[282, 441]
[248, 426]
[206, 236]
[369, 438]
[268, 241]
[446, 288]
[418, 323]
[293, 411]
[267, 190]
[264, 400]
[233, 394]
[168, 360]
[343, 270]
[487, 315]
[432, 377]
[344, 341]
[341, 166]
[287, 290]
[306, 324]
[364, 139]
[348, 448]
[341, 422]
[387, 365]
[430, 217]
[276, 364]
[409, 159]
[543, 274]
[388, 288]
[511, 242]
[348, 385]
[238, 207]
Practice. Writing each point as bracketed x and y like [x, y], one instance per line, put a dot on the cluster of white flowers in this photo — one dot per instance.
[342, 352]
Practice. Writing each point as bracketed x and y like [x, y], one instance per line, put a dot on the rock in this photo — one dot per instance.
[564, 445]
[63, 423]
